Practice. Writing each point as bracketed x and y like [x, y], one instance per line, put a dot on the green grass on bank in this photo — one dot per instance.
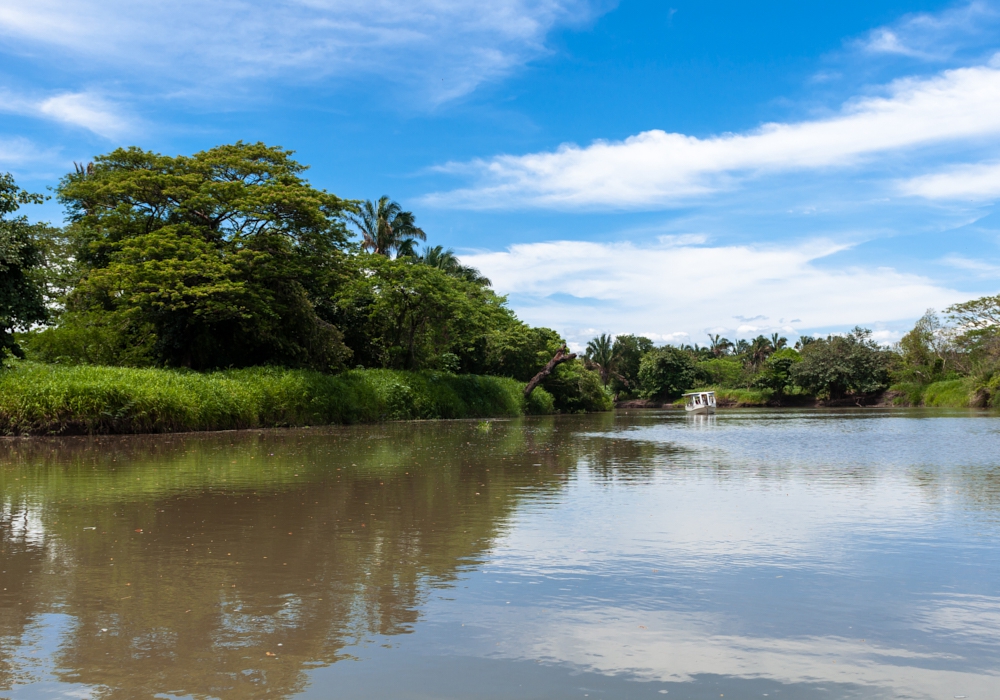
[39, 399]
[953, 393]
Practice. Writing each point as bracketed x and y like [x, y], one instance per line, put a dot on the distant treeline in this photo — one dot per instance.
[946, 360]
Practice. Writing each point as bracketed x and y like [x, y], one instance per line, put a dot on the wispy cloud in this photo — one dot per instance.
[980, 181]
[935, 36]
[673, 291]
[980, 268]
[657, 169]
[888, 41]
[447, 47]
[15, 152]
[79, 109]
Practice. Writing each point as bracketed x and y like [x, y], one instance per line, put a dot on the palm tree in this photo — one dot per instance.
[803, 341]
[719, 345]
[760, 349]
[600, 353]
[777, 342]
[446, 261]
[385, 228]
[742, 347]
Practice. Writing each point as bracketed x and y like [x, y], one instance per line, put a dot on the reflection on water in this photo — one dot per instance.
[748, 553]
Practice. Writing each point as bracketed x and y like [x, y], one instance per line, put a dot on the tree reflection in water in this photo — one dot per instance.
[224, 564]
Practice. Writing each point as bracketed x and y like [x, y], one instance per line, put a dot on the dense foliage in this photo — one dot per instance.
[21, 291]
[665, 373]
[206, 261]
[229, 258]
[842, 365]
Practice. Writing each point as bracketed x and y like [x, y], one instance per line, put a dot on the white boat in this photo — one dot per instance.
[700, 402]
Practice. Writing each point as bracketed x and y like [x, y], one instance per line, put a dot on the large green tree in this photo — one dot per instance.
[205, 261]
[628, 349]
[666, 373]
[837, 366]
[21, 292]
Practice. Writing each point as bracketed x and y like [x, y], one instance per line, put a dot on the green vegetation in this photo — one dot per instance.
[21, 292]
[204, 291]
[949, 362]
[840, 366]
[52, 399]
[955, 392]
[230, 260]
[952, 361]
[665, 373]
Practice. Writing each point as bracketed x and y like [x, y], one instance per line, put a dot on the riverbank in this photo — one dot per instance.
[725, 398]
[40, 399]
[955, 393]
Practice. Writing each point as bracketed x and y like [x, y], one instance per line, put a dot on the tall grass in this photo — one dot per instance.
[953, 393]
[38, 399]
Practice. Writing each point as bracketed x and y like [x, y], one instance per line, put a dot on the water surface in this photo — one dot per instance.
[794, 554]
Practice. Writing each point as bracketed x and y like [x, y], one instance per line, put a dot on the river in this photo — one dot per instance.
[642, 554]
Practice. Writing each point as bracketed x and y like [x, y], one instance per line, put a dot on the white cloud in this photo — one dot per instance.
[448, 46]
[974, 182]
[80, 109]
[981, 268]
[935, 36]
[17, 151]
[673, 292]
[655, 168]
[887, 41]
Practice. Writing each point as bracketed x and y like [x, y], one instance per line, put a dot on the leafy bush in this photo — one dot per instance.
[665, 373]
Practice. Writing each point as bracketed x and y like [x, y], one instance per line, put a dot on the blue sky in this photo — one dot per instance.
[668, 168]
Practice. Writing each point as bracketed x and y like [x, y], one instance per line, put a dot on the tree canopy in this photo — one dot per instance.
[21, 293]
[205, 261]
[841, 365]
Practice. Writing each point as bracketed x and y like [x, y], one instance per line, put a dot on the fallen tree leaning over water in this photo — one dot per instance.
[562, 355]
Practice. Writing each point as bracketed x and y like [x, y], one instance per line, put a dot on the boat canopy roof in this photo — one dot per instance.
[698, 393]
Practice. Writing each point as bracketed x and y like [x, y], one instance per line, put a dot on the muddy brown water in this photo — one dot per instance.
[780, 554]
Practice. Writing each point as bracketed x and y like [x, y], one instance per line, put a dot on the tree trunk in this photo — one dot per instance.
[562, 356]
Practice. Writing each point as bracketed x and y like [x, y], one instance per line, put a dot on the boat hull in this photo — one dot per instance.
[700, 410]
